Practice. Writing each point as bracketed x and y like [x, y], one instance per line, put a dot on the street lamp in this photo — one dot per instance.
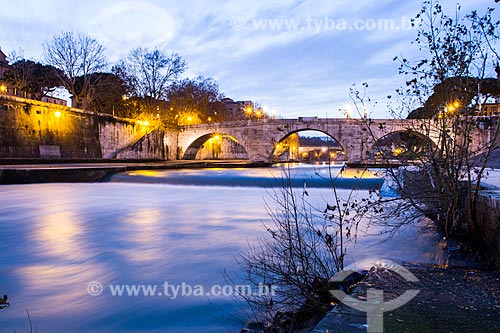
[449, 109]
[248, 111]
[346, 110]
[3, 88]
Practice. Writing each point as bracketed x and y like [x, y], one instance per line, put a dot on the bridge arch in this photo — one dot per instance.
[401, 144]
[328, 149]
[215, 145]
[259, 137]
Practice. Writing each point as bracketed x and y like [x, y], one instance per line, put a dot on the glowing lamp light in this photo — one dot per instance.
[57, 114]
[217, 137]
[324, 149]
[3, 88]
[397, 151]
[145, 123]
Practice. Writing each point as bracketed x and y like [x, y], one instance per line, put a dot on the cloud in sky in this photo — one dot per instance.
[298, 57]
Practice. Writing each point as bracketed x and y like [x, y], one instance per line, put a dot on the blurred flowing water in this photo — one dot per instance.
[142, 228]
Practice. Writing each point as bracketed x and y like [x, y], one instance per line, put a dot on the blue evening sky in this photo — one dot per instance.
[296, 58]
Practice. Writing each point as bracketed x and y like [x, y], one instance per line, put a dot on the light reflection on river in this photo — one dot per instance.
[56, 238]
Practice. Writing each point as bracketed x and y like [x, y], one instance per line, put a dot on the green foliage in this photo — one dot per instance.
[32, 78]
[106, 94]
[198, 99]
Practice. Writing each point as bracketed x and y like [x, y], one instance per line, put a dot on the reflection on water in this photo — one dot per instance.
[59, 237]
[58, 233]
[145, 226]
[56, 238]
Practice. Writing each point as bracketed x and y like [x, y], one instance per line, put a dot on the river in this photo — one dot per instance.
[60, 242]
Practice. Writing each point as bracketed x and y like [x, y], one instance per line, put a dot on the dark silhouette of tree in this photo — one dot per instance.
[33, 79]
[76, 56]
[196, 100]
[106, 95]
[456, 89]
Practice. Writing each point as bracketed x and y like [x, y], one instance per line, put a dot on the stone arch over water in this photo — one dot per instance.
[215, 146]
[403, 144]
[332, 149]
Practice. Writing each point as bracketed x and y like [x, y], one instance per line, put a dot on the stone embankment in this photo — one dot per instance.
[91, 171]
[488, 212]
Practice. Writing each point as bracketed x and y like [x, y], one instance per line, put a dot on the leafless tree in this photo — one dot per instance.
[76, 56]
[444, 93]
[304, 246]
[150, 72]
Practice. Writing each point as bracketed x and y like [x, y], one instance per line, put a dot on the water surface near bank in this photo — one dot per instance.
[58, 238]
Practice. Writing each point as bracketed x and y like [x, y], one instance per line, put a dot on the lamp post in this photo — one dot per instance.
[346, 110]
[248, 111]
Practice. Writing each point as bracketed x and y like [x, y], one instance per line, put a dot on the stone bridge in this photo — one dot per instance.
[259, 137]
[357, 137]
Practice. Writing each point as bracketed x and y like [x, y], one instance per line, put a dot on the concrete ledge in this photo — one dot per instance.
[92, 172]
[51, 175]
[488, 219]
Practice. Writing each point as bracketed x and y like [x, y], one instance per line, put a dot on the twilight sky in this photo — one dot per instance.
[298, 58]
